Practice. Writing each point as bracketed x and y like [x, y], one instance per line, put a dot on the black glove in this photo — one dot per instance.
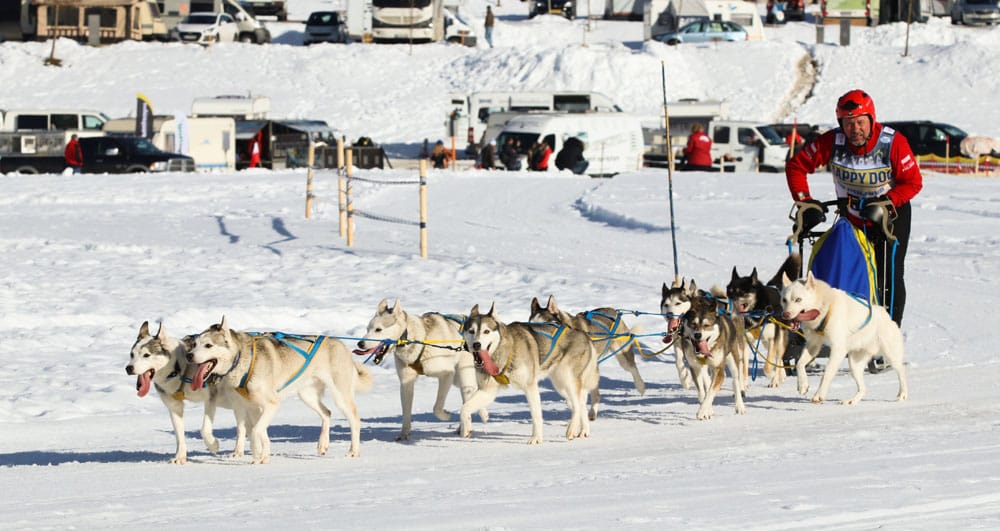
[880, 212]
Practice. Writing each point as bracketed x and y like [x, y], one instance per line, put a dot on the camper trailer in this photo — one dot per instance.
[211, 141]
[233, 106]
[119, 19]
[612, 140]
[470, 115]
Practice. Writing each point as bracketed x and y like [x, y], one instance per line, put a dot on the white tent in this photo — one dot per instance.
[668, 15]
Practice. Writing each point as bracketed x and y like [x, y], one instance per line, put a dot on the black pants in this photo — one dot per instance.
[892, 288]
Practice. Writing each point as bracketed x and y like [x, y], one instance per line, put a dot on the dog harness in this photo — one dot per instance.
[279, 337]
[610, 334]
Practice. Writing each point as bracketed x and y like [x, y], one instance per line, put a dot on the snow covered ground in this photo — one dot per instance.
[87, 259]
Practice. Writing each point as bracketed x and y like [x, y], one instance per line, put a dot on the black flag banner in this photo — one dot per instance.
[143, 117]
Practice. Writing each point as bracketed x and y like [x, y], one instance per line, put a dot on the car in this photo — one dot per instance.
[565, 8]
[975, 12]
[207, 28]
[795, 10]
[930, 138]
[705, 31]
[325, 26]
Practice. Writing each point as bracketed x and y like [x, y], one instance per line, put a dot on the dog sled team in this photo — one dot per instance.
[712, 334]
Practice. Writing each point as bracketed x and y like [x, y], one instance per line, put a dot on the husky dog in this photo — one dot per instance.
[160, 361]
[255, 372]
[711, 343]
[606, 330]
[851, 328]
[675, 301]
[756, 303]
[427, 345]
[523, 354]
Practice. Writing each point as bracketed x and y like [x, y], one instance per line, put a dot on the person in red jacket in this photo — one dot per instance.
[876, 175]
[73, 154]
[698, 152]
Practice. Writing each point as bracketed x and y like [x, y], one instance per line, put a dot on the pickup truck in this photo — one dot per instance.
[103, 154]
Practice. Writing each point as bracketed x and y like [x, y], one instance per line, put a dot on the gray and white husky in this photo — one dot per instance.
[675, 301]
[712, 343]
[254, 372]
[853, 329]
[160, 361]
[523, 354]
[428, 345]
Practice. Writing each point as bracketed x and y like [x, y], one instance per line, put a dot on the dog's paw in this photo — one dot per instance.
[484, 416]
[179, 460]
[704, 413]
[354, 452]
[403, 436]
[213, 446]
[443, 415]
[322, 448]
[817, 399]
[803, 390]
[901, 397]
[741, 410]
[535, 440]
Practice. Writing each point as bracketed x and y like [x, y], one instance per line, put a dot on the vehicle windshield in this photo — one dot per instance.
[322, 18]
[145, 147]
[199, 18]
[953, 131]
[770, 135]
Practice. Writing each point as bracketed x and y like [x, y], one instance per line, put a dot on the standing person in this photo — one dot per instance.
[698, 152]
[255, 151]
[570, 157]
[509, 157]
[540, 154]
[488, 25]
[74, 154]
[876, 176]
[439, 156]
[487, 159]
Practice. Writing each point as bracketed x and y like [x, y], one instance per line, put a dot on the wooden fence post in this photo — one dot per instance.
[349, 209]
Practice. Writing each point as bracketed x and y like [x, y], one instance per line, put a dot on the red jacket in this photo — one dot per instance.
[699, 150]
[906, 179]
[73, 154]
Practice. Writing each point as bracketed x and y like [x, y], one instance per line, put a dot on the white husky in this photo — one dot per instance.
[429, 345]
[255, 372]
[160, 361]
[851, 328]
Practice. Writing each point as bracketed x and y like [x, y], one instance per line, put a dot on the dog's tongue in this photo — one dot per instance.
[488, 365]
[198, 380]
[807, 316]
[673, 323]
[703, 348]
[142, 382]
[360, 352]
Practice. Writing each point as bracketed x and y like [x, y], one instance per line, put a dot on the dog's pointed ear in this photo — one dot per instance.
[785, 281]
[753, 276]
[810, 279]
[161, 334]
[222, 323]
[383, 305]
[492, 307]
[144, 330]
[535, 306]
[551, 306]
[474, 312]
[736, 276]
[396, 307]
[692, 288]
[665, 291]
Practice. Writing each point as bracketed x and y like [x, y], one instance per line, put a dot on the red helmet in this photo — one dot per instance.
[855, 103]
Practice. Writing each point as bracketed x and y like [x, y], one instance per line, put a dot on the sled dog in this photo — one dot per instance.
[851, 328]
[429, 345]
[161, 362]
[712, 343]
[254, 372]
[523, 354]
[675, 301]
[610, 335]
[758, 303]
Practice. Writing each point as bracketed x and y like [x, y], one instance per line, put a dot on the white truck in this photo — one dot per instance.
[476, 118]
[612, 141]
[747, 146]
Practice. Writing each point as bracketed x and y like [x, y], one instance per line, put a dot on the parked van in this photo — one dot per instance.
[747, 146]
[469, 114]
[612, 140]
[52, 120]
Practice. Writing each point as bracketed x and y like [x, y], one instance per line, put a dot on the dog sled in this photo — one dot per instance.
[843, 256]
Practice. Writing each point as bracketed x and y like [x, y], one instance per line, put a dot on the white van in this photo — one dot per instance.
[469, 114]
[747, 146]
[52, 120]
[612, 141]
